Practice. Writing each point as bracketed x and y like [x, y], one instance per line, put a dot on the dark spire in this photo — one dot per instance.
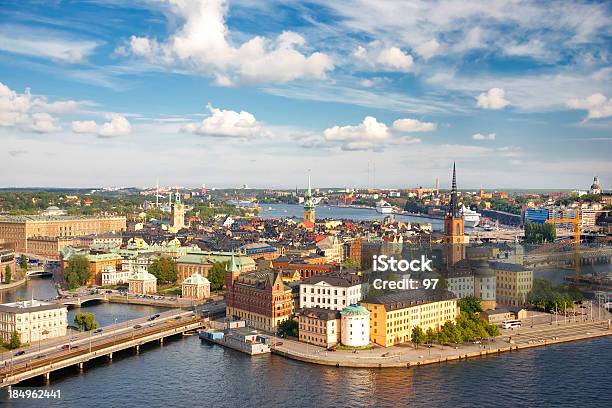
[453, 206]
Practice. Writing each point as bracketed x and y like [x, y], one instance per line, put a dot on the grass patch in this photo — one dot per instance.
[349, 348]
[171, 290]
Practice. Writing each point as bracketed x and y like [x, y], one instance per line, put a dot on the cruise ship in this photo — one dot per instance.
[471, 218]
[384, 207]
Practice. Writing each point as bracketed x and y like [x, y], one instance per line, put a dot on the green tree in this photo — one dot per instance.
[164, 269]
[216, 275]
[470, 304]
[430, 336]
[7, 274]
[15, 341]
[23, 262]
[288, 328]
[77, 272]
[85, 321]
[539, 233]
[417, 336]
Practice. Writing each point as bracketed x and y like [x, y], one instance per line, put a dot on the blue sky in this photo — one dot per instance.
[121, 93]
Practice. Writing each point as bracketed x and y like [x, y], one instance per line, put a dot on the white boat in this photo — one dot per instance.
[384, 207]
[471, 218]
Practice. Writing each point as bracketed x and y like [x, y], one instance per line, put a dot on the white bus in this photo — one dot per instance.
[511, 324]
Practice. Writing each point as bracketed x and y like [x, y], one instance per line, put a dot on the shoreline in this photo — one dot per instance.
[13, 285]
[386, 362]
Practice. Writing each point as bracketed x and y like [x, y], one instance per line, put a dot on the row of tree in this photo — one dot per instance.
[468, 327]
[548, 297]
[536, 233]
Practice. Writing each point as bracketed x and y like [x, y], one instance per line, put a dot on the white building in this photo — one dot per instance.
[330, 291]
[111, 276]
[461, 284]
[142, 282]
[355, 326]
[33, 320]
[195, 287]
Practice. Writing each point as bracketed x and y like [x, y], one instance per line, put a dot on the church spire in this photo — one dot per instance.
[453, 206]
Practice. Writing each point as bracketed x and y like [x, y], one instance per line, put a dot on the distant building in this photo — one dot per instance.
[177, 216]
[513, 283]
[111, 276]
[260, 250]
[195, 287]
[53, 211]
[16, 230]
[320, 327]
[142, 282]
[454, 226]
[596, 186]
[309, 209]
[331, 248]
[330, 291]
[355, 326]
[33, 320]
[538, 215]
[394, 315]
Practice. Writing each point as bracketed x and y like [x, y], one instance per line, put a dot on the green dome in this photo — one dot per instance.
[354, 310]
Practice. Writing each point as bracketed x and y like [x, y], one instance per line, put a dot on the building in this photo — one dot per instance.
[330, 291]
[320, 327]
[259, 297]
[97, 262]
[454, 227]
[201, 262]
[596, 186]
[309, 209]
[110, 276]
[538, 215]
[49, 247]
[260, 250]
[7, 259]
[394, 315]
[355, 326]
[513, 283]
[331, 248]
[306, 270]
[15, 231]
[177, 216]
[142, 282]
[53, 211]
[33, 320]
[195, 287]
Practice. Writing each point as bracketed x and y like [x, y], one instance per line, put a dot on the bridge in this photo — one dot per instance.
[38, 272]
[77, 301]
[90, 346]
[585, 257]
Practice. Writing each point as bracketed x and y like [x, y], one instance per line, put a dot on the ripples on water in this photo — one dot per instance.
[187, 372]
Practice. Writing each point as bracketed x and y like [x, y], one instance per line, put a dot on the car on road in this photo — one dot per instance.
[138, 326]
[151, 324]
[65, 347]
[178, 318]
[74, 347]
[41, 356]
[98, 330]
[156, 315]
[20, 353]
[278, 343]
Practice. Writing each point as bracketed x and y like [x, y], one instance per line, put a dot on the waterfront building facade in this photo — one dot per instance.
[111, 276]
[355, 326]
[259, 297]
[394, 315]
[33, 320]
[7, 259]
[513, 283]
[320, 327]
[330, 291]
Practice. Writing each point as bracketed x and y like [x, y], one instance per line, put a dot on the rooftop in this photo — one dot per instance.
[408, 298]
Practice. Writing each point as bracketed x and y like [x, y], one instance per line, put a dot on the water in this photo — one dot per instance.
[340, 213]
[189, 372]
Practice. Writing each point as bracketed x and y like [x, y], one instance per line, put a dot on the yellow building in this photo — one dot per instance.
[33, 320]
[15, 231]
[394, 315]
[513, 283]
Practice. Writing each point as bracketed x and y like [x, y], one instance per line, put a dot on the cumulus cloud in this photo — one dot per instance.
[494, 98]
[597, 105]
[413, 125]
[368, 130]
[201, 44]
[228, 123]
[116, 125]
[30, 113]
[376, 56]
[480, 136]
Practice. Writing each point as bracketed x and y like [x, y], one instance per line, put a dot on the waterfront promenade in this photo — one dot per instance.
[405, 355]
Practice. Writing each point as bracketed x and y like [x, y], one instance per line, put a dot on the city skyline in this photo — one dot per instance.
[232, 93]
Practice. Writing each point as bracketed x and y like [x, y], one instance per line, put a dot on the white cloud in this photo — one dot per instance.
[480, 136]
[44, 44]
[30, 113]
[201, 45]
[116, 125]
[494, 98]
[428, 49]
[413, 125]
[597, 105]
[368, 130]
[228, 123]
[376, 56]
